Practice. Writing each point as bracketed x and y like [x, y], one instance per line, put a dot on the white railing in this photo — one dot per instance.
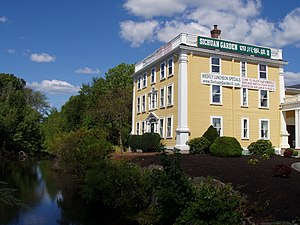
[292, 99]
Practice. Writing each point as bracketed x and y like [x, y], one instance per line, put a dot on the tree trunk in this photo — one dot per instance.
[121, 142]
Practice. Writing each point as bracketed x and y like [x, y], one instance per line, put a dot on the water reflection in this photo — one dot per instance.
[37, 187]
[50, 197]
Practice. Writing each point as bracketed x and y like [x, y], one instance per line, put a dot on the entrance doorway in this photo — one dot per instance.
[291, 130]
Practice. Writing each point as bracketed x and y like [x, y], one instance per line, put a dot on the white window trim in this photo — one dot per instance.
[144, 124]
[153, 68]
[217, 117]
[172, 95]
[144, 80]
[211, 96]
[139, 106]
[162, 105]
[163, 131]
[165, 72]
[138, 128]
[269, 131]
[168, 117]
[268, 102]
[145, 108]
[258, 71]
[220, 63]
[172, 73]
[139, 83]
[242, 129]
[245, 68]
[243, 96]
[150, 99]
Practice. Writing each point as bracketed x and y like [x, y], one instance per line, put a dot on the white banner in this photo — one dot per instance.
[238, 82]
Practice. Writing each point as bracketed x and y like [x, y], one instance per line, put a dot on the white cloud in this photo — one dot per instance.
[239, 20]
[11, 51]
[151, 8]
[3, 19]
[43, 57]
[55, 87]
[137, 32]
[291, 78]
[87, 70]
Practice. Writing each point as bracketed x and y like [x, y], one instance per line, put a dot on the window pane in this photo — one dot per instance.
[215, 69]
[215, 61]
[216, 94]
[263, 98]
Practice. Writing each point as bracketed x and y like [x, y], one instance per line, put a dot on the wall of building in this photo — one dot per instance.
[165, 111]
[200, 110]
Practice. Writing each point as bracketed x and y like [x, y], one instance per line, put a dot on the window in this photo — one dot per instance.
[161, 127]
[215, 65]
[264, 100]
[153, 99]
[245, 128]
[264, 129]
[243, 69]
[138, 128]
[139, 82]
[262, 70]
[169, 127]
[138, 104]
[162, 97]
[162, 70]
[244, 97]
[170, 95]
[145, 80]
[143, 127]
[153, 75]
[216, 94]
[143, 103]
[170, 67]
[216, 121]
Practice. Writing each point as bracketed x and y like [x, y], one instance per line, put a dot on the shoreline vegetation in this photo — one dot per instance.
[82, 139]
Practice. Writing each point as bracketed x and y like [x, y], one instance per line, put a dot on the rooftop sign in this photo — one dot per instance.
[212, 43]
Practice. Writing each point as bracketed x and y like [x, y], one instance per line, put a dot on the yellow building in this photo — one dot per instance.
[193, 82]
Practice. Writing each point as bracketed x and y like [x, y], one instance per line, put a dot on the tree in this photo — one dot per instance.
[20, 115]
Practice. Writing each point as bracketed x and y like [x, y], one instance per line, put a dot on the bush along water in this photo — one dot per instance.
[261, 147]
[226, 147]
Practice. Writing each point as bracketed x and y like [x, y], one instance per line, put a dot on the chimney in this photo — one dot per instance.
[215, 33]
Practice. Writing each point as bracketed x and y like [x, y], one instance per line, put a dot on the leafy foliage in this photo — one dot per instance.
[226, 147]
[135, 142]
[21, 112]
[7, 196]
[282, 171]
[211, 134]
[215, 203]
[172, 189]
[150, 142]
[261, 147]
[79, 150]
[288, 153]
[199, 146]
[118, 185]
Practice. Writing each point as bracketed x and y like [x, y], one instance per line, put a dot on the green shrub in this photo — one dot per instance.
[253, 162]
[172, 190]
[295, 153]
[211, 134]
[150, 142]
[215, 203]
[78, 150]
[135, 142]
[261, 147]
[121, 187]
[199, 146]
[226, 147]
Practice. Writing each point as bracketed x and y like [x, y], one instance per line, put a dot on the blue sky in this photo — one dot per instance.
[57, 45]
